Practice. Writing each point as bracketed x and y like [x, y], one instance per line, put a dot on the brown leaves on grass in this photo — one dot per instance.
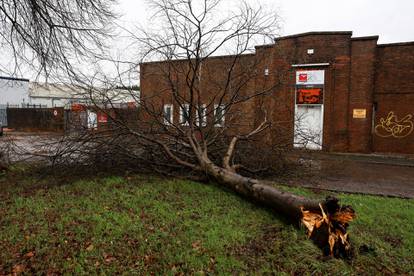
[90, 248]
[108, 258]
[29, 255]
[149, 259]
[19, 268]
[196, 245]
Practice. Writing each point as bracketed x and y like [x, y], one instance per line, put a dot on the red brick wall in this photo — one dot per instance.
[332, 48]
[394, 92]
[360, 74]
[156, 90]
[361, 93]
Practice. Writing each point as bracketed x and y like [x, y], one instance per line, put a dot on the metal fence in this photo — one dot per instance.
[30, 117]
[36, 119]
[26, 105]
[3, 117]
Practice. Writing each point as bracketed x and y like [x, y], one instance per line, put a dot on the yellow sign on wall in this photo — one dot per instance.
[360, 113]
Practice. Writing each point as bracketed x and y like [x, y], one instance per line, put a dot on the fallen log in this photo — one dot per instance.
[326, 222]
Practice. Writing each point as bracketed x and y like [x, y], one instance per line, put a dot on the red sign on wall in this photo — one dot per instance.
[309, 96]
[78, 107]
[303, 77]
[102, 118]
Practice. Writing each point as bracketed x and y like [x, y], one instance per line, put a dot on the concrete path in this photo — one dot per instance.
[368, 174]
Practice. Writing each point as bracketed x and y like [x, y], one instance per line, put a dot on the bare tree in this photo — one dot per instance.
[196, 121]
[191, 118]
[50, 36]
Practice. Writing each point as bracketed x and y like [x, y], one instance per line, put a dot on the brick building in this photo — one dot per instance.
[356, 95]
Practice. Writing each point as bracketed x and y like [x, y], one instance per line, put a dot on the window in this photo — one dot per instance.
[168, 114]
[219, 113]
[92, 120]
[185, 114]
[202, 112]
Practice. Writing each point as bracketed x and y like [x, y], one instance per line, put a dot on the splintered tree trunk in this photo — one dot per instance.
[326, 222]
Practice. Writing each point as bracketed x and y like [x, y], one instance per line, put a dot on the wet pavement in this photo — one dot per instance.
[21, 146]
[367, 174]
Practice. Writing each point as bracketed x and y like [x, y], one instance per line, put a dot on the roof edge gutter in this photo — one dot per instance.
[311, 65]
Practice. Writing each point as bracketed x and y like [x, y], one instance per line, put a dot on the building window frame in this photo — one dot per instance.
[203, 110]
[219, 121]
[170, 120]
[185, 109]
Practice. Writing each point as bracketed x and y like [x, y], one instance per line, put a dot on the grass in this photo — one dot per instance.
[141, 225]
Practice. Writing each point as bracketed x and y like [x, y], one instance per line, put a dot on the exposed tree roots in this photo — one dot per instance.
[327, 228]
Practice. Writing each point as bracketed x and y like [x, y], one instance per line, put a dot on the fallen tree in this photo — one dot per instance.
[208, 133]
[326, 222]
[195, 121]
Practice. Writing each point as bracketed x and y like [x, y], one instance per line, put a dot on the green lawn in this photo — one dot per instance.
[141, 225]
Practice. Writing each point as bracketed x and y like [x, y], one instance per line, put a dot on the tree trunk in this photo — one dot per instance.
[326, 221]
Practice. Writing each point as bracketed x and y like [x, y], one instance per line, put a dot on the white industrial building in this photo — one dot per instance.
[61, 95]
[21, 92]
[13, 91]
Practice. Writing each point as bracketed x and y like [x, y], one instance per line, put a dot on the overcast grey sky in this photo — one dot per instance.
[392, 20]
